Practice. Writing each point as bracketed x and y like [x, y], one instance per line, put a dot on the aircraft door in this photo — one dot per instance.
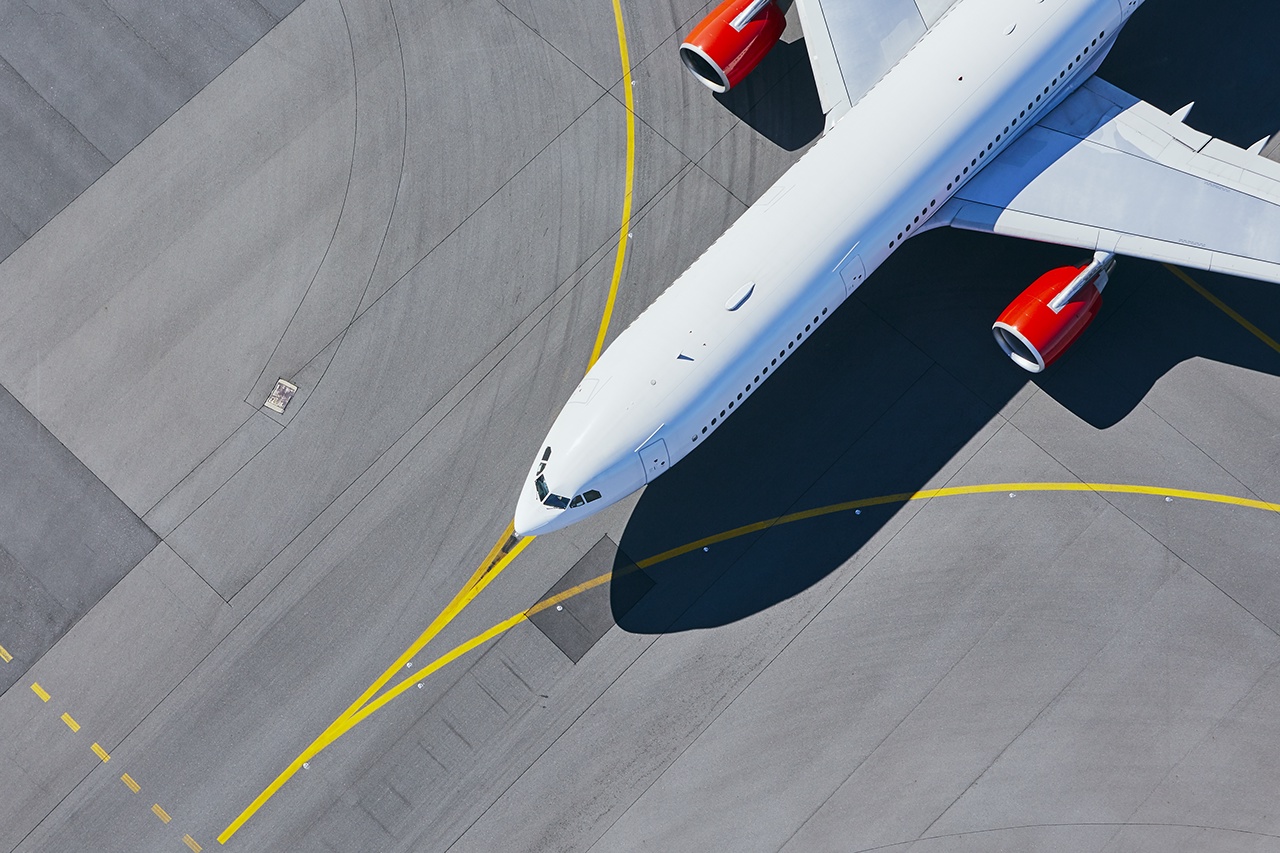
[852, 273]
[655, 459]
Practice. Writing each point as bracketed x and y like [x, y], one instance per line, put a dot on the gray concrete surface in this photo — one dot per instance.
[65, 539]
[413, 213]
[82, 83]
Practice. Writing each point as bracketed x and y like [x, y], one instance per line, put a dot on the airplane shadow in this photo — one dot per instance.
[892, 386]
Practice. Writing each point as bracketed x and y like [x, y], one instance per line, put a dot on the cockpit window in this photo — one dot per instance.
[576, 502]
[591, 495]
[546, 454]
[545, 495]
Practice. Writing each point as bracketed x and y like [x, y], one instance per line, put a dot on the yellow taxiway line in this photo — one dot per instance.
[831, 509]
[363, 708]
[1223, 307]
[506, 548]
[629, 98]
[357, 711]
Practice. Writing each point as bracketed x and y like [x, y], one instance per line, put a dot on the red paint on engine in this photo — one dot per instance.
[736, 53]
[1048, 333]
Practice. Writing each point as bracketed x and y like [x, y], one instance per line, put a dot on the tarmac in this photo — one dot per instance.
[412, 212]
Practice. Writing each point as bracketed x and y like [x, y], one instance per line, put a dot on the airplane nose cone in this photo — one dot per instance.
[526, 516]
[532, 517]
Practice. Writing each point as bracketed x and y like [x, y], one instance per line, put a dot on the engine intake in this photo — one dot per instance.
[731, 41]
[1047, 317]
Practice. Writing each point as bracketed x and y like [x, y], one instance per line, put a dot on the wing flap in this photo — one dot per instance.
[1107, 171]
[853, 43]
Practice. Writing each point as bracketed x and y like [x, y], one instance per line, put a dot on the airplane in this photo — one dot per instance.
[993, 121]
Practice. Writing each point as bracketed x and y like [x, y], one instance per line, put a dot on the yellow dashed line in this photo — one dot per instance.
[4, 654]
[161, 813]
[39, 691]
[100, 752]
[191, 842]
[71, 723]
[1223, 307]
[128, 780]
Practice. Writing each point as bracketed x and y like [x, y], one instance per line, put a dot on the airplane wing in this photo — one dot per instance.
[852, 43]
[1106, 171]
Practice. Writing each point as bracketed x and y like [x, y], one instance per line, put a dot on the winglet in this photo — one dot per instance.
[1181, 115]
[1256, 148]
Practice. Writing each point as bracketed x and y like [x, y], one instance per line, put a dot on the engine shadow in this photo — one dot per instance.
[779, 99]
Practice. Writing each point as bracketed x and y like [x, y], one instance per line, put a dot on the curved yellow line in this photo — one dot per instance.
[366, 704]
[832, 509]
[952, 491]
[627, 187]
[363, 707]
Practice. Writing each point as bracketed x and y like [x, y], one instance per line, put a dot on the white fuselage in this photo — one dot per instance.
[970, 85]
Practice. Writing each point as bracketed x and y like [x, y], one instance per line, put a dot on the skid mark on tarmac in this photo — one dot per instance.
[507, 546]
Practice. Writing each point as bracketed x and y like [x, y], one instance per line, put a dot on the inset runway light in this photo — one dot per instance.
[1168, 500]
[706, 547]
[857, 512]
[280, 396]
[306, 765]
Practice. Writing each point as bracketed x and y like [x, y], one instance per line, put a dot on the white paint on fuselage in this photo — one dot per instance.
[885, 166]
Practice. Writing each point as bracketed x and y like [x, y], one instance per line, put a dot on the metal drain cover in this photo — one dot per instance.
[281, 396]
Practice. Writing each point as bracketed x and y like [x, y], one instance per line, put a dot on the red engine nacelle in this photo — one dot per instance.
[1048, 316]
[731, 41]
